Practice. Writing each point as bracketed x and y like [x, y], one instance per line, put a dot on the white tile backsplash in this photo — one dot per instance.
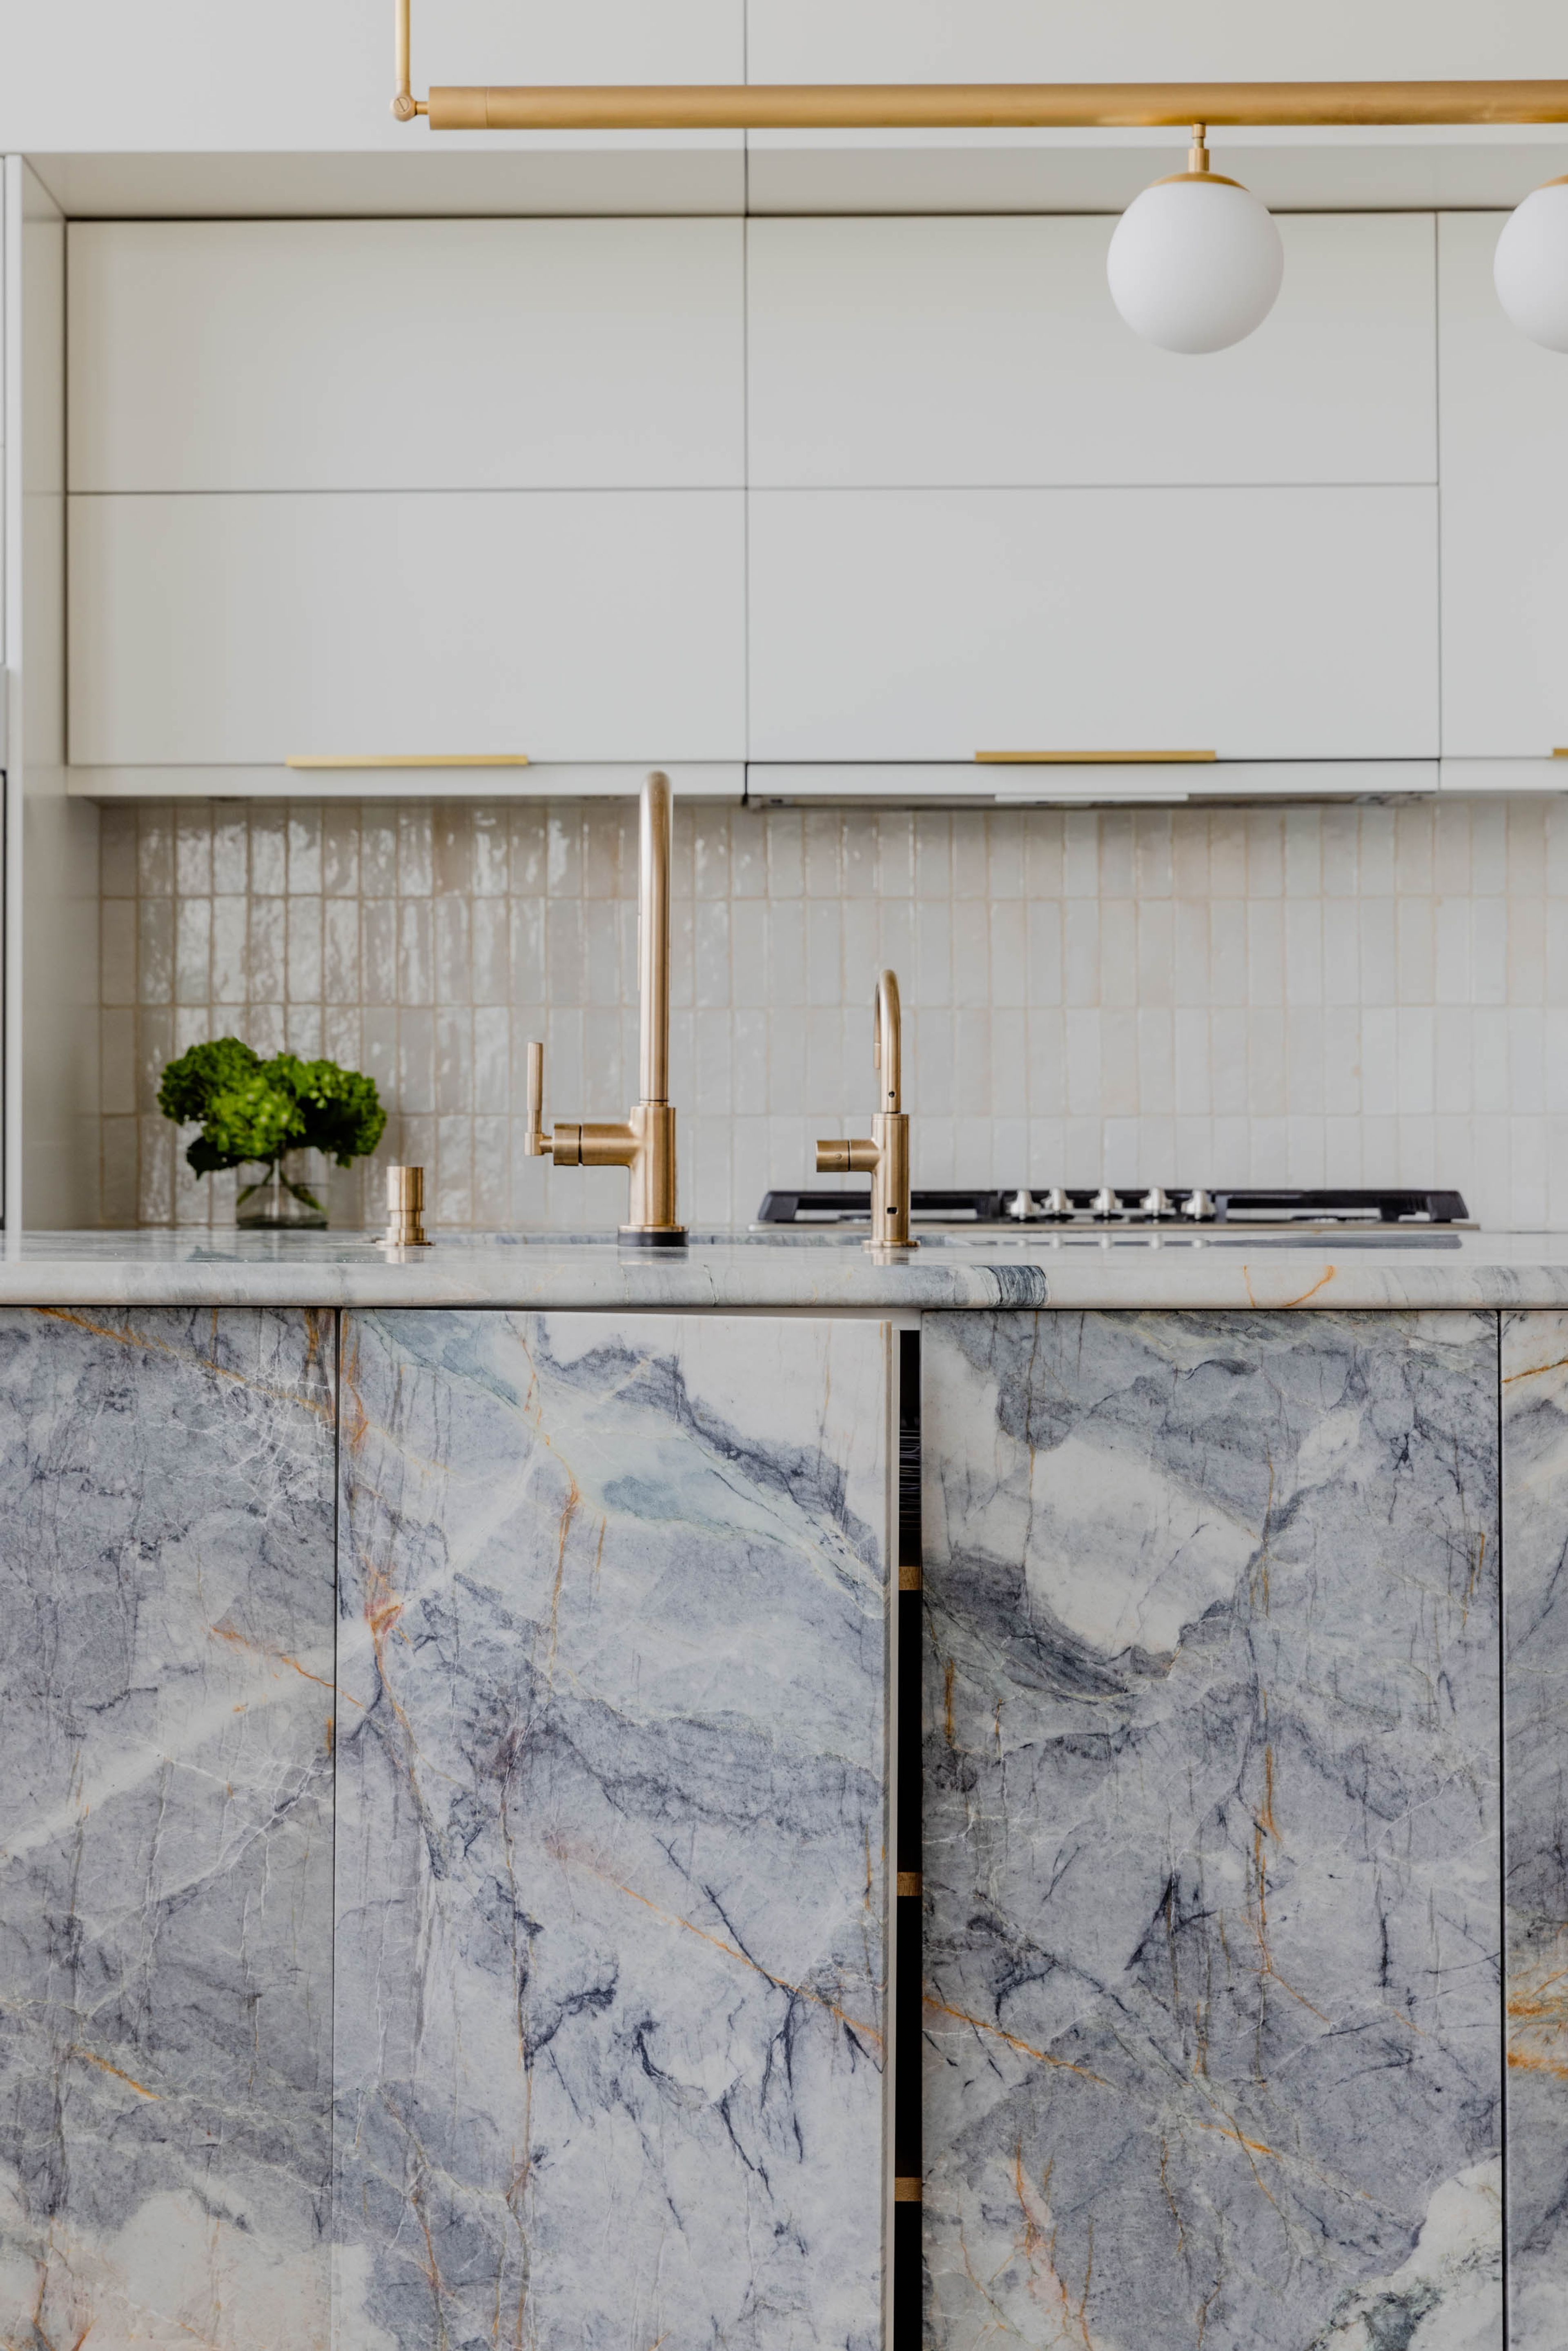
[1338, 995]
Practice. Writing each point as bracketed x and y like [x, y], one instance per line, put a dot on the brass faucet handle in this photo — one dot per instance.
[537, 1143]
[843, 1156]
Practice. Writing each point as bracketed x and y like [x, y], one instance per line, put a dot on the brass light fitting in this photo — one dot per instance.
[643, 1142]
[884, 1154]
[972, 106]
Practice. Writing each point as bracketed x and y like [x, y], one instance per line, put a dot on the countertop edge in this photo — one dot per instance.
[745, 1280]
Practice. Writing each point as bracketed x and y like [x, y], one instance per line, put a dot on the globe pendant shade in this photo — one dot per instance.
[1530, 269]
[1196, 263]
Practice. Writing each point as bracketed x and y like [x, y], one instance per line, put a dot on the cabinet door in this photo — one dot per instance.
[567, 625]
[1261, 625]
[1211, 1854]
[1535, 1819]
[1504, 464]
[415, 355]
[612, 1818]
[166, 1591]
[949, 352]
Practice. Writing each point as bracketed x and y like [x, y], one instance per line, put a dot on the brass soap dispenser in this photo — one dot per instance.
[884, 1156]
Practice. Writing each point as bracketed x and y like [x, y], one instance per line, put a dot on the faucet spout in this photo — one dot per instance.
[654, 818]
[887, 1044]
[644, 1142]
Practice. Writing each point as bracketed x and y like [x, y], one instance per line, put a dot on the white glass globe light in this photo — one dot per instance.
[1196, 263]
[1529, 268]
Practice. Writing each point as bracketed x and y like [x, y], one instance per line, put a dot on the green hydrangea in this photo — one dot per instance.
[249, 1109]
[191, 1083]
[342, 1109]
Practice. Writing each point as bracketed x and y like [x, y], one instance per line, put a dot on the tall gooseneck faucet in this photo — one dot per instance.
[884, 1155]
[644, 1142]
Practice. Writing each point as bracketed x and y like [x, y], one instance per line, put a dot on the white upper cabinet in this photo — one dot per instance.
[422, 355]
[564, 625]
[1204, 40]
[1504, 406]
[950, 352]
[937, 624]
[406, 487]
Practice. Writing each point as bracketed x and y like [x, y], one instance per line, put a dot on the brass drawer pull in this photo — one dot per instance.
[1091, 758]
[407, 759]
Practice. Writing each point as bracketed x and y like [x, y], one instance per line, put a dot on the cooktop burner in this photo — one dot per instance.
[1132, 1203]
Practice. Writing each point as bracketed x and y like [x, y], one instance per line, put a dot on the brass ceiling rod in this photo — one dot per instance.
[997, 106]
[976, 106]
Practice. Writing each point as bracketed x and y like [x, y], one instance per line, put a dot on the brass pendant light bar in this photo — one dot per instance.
[970, 106]
[989, 106]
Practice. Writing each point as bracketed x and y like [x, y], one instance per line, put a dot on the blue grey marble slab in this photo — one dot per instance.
[165, 1832]
[610, 1878]
[1216, 1268]
[1535, 1821]
[1213, 1998]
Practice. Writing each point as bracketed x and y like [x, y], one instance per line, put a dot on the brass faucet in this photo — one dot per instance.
[644, 1142]
[885, 1156]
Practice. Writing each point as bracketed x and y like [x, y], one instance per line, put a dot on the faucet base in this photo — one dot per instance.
[653, 1235]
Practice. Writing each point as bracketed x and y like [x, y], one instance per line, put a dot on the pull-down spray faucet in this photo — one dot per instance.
[644, 1142]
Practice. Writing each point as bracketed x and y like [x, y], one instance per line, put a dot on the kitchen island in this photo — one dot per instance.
[445, 1823]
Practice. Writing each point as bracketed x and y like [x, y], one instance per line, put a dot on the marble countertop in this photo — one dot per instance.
[809, 1272]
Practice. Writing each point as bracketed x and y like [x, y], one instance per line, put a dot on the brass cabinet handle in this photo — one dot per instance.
[1091, 758]
[406, 759]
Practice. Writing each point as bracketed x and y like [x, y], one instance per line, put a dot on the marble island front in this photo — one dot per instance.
[446, 1835]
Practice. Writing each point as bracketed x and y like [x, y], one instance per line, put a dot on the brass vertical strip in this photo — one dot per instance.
[907, 2251]
[405, 105]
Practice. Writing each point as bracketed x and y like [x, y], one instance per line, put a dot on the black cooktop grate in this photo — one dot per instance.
[1378, 1205]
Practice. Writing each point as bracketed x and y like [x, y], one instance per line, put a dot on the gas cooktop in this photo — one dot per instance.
[1107, 1205]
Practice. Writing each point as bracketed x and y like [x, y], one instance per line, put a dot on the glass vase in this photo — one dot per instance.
[285, 1195]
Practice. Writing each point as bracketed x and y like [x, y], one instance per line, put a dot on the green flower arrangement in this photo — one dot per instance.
[251, 1110]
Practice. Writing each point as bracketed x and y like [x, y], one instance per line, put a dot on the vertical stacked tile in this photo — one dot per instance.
[165, 1828]
[1336, 995]
[1211, 1838]
[1535, 1824]
[610, 1871]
